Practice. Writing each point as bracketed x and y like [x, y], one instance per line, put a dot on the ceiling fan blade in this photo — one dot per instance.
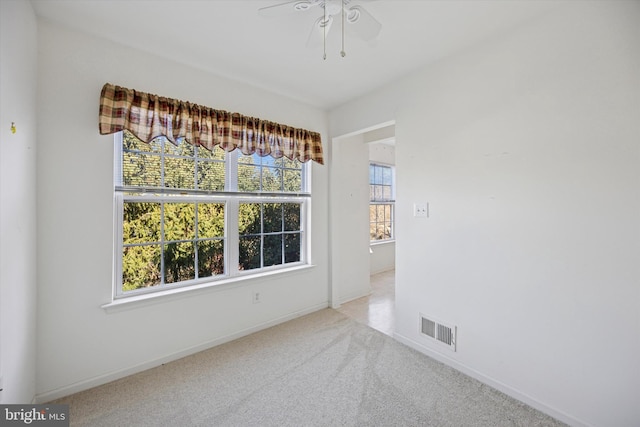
[286, 8]
[318, 31]
[362, 23]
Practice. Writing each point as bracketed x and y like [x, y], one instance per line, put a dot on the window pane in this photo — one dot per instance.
[210, 175]
[292, 247]
[291, 164]
[179, 221]
[249, 252]
[156, 145]
[141, 223]
[272, 214]
[272, 250]
[210, 258]
[179, 173]
[386, 192]
[292, 180]
[249, 218]
[141, 170]
[210, 220]
[387, 212]
[377, 192]
[180, 148]
[248, 178]
[386, 175]
[252, 159]
[271, 179]
[378, 176]
[267, 174]
[130, 142]
[217, 153]
[179, 260]
[291, 216]
[140, 267]
[387, 230]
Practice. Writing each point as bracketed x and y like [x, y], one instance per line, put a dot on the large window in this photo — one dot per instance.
[187, 215]
[381, 204]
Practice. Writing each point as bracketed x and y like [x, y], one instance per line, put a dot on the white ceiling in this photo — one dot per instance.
[229, 38]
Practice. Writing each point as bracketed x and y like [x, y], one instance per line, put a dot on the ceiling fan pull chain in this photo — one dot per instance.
[324, 31]
[342, 52]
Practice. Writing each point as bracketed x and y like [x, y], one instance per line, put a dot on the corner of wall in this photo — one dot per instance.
[18, 80]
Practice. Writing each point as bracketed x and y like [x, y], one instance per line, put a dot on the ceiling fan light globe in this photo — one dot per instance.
[322, 23]
[353, 15]
[301, 6]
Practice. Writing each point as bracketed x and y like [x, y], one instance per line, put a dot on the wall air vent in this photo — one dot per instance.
[439, 332]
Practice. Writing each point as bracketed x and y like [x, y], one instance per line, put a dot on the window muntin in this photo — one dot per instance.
[175, 218]
[274, 240]
[266, 174]
[381, 202]
[167, 242]
[161, 164]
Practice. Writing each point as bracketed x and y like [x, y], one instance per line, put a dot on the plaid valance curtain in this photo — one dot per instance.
[148, 116]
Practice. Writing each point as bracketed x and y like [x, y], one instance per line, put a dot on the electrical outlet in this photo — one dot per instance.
[256, 297]
[421, 210]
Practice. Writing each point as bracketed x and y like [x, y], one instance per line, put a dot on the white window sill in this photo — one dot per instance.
[136, 301]
[381, 242]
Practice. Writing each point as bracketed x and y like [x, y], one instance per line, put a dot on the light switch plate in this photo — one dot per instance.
[421, 210]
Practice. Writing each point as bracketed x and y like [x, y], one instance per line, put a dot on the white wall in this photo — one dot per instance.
[383, 255]
[382, 153]
[527, 149]
[18, 50]
[349, 219]
[79, 343]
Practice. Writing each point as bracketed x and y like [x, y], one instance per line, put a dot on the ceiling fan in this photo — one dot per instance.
[353, 18]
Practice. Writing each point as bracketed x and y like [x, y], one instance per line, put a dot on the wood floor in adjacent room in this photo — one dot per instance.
[376, 310]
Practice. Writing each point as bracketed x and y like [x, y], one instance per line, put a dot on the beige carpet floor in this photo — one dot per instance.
[323, 369]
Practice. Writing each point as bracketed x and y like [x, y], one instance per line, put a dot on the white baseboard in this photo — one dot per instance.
[116, 375]
[382, 270]
[504, 388]
[355, 295]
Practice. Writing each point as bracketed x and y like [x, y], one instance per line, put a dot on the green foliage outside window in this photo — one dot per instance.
[277, 242]
[177, 239]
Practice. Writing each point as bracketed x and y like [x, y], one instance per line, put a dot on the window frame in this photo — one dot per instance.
[231, 198]
[383, 202]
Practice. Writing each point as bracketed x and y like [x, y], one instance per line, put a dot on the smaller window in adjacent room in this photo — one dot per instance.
[381, 202]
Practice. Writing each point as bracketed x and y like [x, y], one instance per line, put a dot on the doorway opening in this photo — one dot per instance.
[363, 256]
[377, 309]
